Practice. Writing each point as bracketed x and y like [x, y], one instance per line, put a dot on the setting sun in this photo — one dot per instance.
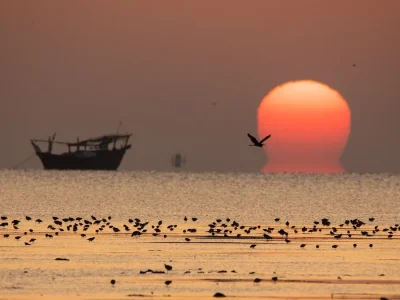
[310, 124]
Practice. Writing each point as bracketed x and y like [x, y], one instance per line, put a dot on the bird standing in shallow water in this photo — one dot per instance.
[257, 143]
[168, 267]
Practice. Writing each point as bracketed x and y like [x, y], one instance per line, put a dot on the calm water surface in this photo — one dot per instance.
[250, 199]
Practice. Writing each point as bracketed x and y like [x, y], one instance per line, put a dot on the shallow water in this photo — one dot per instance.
[250, 199]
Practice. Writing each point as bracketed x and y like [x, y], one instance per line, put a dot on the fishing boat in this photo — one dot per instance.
[99, 153]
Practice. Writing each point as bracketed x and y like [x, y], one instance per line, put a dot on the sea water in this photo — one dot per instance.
[205, 263]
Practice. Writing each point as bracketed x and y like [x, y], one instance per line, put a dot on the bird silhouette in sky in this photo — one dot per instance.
[257, 143]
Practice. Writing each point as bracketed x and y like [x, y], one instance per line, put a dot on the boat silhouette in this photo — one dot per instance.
[99, 153]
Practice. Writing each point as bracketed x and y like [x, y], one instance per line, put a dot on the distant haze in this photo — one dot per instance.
[188, 76]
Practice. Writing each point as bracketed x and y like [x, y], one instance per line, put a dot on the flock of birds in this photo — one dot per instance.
[222, 228]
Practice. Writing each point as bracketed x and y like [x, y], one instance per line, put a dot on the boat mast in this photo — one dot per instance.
[115, 140]
[50, 141]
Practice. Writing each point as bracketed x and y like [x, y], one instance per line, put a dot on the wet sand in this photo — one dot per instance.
[203, 265]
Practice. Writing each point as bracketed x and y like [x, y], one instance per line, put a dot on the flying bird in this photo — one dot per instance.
[257, 143]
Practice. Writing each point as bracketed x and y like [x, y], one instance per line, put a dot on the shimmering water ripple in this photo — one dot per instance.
[251, 199]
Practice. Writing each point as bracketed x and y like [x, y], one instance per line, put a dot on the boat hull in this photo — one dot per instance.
[94, 160]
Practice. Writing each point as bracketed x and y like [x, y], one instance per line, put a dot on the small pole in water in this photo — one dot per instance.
[178, 160]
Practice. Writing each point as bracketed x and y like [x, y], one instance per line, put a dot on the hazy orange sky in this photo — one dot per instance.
[78, 67]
